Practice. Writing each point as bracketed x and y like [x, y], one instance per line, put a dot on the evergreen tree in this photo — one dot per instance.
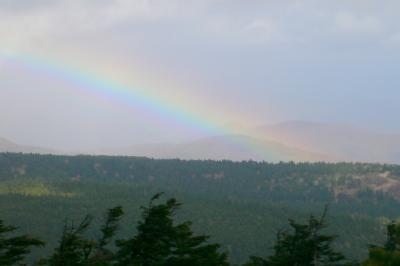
[75, 249]
[14, 248]
[393, 237]
[303, 245]
[108, 231]
[389, 254]
[190, 250]
[160, 242]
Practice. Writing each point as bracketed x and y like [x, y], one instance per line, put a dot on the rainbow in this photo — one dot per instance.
[101, 87]
[131, 97]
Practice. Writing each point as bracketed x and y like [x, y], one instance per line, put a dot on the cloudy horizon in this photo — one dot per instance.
[210, 62]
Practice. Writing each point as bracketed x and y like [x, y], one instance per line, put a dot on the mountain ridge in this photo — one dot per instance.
[224, 147]
[287, 141]
[10, 146]
[339, 140]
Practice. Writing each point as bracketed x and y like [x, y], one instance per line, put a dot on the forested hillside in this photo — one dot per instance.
[239, 204]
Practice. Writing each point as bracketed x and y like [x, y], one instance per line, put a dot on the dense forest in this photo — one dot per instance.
[159, 240]
[243, 206]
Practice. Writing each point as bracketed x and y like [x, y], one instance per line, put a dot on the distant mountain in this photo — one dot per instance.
[339, 141]
[9, 146]
[230, 147]
[288, 141]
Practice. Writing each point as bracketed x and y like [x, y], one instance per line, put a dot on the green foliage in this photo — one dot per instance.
[389, 254]
[381, 257]
[110, 226]
[75, 249]
[230, 201]
[14, 248]
[303, 245]
[160, 242]
[393, 237]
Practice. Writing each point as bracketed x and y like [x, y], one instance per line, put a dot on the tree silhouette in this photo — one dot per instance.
[75, 249]
[160, 242]
[303, 245]
[14, 248]
[389, 254]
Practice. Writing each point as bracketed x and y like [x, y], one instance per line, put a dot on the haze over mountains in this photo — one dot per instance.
[232, 147]
[339, 141]
[288, 141]
[137, 72]
[9, 146]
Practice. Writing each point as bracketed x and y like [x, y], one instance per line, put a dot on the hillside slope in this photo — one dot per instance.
[228, 147]
[240, 204]
[9, 146]
[339, 141]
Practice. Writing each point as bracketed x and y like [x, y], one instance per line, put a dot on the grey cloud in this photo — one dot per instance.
[13, 6]
[279, 60]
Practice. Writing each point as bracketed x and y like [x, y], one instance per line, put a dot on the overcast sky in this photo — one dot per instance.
[233, 62]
